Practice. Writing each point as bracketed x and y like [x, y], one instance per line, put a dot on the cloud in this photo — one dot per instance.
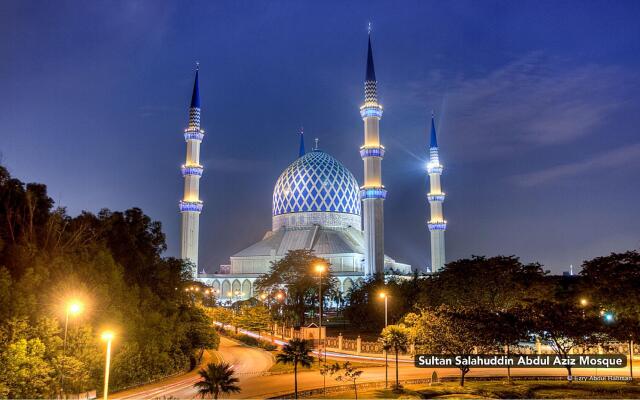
[532, 101]
[613, 158]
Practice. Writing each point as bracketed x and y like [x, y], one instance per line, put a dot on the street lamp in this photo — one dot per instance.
[108, 336]
[320, 268]
[73, 308]
[584, 302]
[384, 296]
[279, 297]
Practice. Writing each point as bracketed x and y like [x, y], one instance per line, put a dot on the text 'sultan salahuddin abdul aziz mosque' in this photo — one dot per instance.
[317, 205]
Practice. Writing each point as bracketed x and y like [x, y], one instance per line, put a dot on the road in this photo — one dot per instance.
[246, 361]
[250, 364]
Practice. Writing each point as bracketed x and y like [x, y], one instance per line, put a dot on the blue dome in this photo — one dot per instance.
[316, 182]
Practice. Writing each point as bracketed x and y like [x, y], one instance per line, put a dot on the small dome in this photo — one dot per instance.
[316, 183]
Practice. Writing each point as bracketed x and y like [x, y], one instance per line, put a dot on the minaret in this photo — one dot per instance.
[372, 192]
[437, 224]
[191, 206]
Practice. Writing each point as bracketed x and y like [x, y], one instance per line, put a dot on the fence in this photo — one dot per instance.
[359, 346]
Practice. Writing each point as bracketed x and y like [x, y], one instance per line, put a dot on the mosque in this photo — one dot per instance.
[317, 205]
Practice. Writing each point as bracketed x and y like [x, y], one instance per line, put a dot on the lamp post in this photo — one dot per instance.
[384, 296]
[320, 268]
[108, 336]
[279, 297]
[583, 304]
[73, 308]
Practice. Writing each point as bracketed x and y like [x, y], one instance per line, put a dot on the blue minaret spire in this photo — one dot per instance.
[372, 191]
[370, 82]
[434, 140]
[195, 96]
[191, 205]
[437, 224]
[301, 152]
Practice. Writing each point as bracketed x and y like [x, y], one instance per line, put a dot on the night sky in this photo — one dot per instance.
[536, 103]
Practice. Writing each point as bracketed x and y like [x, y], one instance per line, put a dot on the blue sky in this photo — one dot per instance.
[536, 106]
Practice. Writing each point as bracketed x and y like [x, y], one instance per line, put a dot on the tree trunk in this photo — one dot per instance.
[508, 366]
[569, 377]
[355, 389]
[397, 381]
[295, 378]
[462, 374]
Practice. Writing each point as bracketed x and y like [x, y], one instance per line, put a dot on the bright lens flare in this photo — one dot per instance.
[74, 307]
[107, 335]
[382, 295]
[320, 268]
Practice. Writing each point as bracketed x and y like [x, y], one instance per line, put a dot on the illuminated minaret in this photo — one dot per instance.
[437, 224]
[372, 192]
[190, 205]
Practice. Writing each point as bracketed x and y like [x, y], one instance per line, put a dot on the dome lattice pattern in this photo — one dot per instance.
[316, 182]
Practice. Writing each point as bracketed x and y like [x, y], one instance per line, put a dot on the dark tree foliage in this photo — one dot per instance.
[612, 284]
[492, 283]
[454, 330]
[563, 325]
[367, 308]
[295, 274]
[112, 263]
[496, 284]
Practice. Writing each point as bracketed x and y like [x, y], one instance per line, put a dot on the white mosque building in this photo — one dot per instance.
[317, 205]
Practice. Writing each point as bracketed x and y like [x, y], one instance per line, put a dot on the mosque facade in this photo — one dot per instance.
[317, 205]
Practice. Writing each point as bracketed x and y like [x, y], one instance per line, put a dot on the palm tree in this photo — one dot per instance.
[396, 338]
[217, 378]
[296, 352]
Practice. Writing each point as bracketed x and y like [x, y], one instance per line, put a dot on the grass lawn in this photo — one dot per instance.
[502, 390]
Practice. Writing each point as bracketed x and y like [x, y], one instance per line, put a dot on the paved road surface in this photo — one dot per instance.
[250, 363]
[246, 361]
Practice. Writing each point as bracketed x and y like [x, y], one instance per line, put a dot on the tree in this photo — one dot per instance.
[396, 339]
[452, 331]
[612, 284]
[491, 283]
[222, 315]
[113, 262]
[25, 372]
[296, 274]
[351, 374]
[296, 352]
[217, 378]
[256, 318]
[366, 308]
[562, 323]
[508, 329]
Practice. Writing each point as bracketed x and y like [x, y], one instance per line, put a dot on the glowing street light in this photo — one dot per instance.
[73, 308]
[608, 316]
[108, 336]
[320, 269]
[383, 295]
[584, 302]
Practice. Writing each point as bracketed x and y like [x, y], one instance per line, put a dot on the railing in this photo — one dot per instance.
[332, 342]
[349, 345]
[371, 347]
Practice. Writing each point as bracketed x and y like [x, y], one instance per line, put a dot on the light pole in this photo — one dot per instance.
[583, 303]
[320, 268]
[384, 296]
[108, 336]
[73, 308]
[279, 297]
